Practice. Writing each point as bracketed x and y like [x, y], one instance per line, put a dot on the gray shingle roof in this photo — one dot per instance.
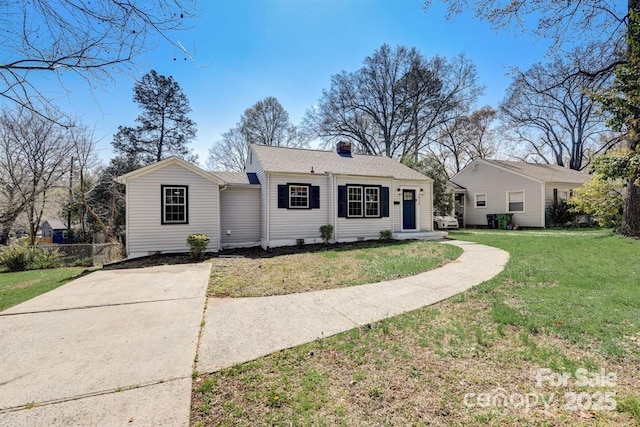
[296, 160]
[545, 173]
[232, 177]
[55, 224]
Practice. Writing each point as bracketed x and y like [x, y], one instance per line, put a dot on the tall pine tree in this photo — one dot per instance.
[163, 128]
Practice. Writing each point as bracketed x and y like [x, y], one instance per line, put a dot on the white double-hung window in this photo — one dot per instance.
[515, 201]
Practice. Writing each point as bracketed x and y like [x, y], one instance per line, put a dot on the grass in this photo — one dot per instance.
[565, 301]
[328, 268]
[23, 285]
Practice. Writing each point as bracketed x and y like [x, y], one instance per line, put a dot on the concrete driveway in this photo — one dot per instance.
[111, 348]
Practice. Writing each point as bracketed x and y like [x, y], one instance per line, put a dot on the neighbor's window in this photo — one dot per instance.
[515, 201]
[298, 196]
[561, 195]
[174, 204]
[354, 201]
[372, 201]
[481, 200]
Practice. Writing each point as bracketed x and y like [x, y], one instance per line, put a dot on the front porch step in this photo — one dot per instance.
[420, 235]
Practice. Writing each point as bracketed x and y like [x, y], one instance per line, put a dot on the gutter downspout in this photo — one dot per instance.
[126, 216]
[542, 197]
[220, 190]
[332, 210]
[267, 209]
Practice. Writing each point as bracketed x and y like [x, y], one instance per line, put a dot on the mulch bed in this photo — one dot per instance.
[252, 253]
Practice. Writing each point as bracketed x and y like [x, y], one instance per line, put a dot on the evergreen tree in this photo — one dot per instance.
[163, 128]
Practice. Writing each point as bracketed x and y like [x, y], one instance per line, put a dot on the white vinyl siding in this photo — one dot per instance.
[288, 225]
[240, 216]
[145, 232]
[352, 228]
[485, 178]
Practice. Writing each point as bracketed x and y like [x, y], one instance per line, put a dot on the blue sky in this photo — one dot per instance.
[246, 50]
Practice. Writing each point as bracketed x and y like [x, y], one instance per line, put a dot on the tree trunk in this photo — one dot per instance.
[5, 228]
[631, 215]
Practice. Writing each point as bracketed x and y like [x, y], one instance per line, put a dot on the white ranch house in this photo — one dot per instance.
[281, 199]
[526, 190]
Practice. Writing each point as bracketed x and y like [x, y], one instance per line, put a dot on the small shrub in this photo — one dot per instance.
[560, 213]
[386, 234]
[21, 258]
[16, 257]
[43, 258]
[198, 245]
[326, 232]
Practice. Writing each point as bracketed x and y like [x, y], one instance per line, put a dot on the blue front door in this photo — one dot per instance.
[408, 209]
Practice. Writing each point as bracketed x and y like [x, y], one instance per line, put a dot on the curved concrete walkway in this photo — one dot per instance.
[238, 330]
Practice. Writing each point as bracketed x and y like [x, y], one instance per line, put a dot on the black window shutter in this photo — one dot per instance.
[342, 201]
[315, 197]
[283, 196]
[384, 201]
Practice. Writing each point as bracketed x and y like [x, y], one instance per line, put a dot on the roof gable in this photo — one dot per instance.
[305, 161]
[173, 160]
[538, 172]
[544, 172]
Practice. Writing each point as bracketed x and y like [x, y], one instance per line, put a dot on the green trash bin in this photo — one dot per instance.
[504, 220]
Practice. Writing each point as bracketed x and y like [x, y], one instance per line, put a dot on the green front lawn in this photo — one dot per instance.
[565, 301]
[279, 272]
[23, 285]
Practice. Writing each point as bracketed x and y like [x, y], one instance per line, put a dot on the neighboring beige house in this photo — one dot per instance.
[281, 199]
[525, 190]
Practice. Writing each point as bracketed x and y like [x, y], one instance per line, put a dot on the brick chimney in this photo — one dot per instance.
[343, 148]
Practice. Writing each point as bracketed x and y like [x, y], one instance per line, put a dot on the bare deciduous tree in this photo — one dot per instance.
[267, 123]
[94, 40]
[43, 147]
[392, 104]
[230, 153]
[466, 138]
[90, 176]
[550, 108]
[13, 176]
